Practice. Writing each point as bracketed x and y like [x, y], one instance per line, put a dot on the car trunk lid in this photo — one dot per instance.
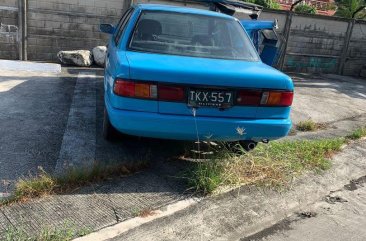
[205, 74]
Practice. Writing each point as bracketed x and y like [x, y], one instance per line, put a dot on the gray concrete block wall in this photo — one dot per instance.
[356, 55]
[174, 3]
[9, 3]
[55, 25]
[8, 31]
[271, 15]
[315, 44]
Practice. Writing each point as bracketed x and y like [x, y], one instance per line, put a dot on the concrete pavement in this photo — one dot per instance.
[340, 216]
[41, 114]
[242, 213]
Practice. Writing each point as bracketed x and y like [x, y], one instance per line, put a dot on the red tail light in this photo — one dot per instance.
[266, 98]
[249, 97]
[135, 89]
[171, 93]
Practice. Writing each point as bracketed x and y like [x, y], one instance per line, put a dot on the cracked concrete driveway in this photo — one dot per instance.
[54, 121]
[340, 216]
[328, 98]
[34, 109]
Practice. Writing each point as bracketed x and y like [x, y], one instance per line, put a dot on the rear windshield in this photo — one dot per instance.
[191, 35]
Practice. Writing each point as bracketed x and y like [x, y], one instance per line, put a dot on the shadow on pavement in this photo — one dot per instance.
[354, 88]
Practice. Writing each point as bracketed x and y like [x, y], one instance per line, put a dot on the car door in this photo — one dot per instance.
[264, 38]
[112, 64]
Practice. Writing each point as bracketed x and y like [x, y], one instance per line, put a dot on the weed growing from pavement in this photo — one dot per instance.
[142, 213]
[357, 134]
[309, 125]
[272, 165]
[66, 232]
[45, 184]
[146, 213]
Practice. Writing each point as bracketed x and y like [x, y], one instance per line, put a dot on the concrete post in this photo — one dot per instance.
[286, 32]
[20, 30]
[345, 48]
[25, 30]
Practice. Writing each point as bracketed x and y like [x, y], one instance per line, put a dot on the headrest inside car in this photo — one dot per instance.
[147, 28]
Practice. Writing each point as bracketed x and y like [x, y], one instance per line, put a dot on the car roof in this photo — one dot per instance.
[177, 9]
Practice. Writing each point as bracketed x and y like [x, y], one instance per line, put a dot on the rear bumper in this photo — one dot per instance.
[180, 127]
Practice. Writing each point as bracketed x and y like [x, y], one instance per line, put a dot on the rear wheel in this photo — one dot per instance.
[109, 132]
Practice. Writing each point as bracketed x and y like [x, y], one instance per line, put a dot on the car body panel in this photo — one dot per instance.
[179, 127]
[204, 73]
[254, 25]
[268, 48]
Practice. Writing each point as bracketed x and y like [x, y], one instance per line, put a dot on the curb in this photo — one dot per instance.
[113, 231]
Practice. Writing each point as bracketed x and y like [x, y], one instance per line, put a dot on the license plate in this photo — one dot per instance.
[210, 98]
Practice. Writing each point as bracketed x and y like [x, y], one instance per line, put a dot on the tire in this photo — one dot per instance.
[109, 132]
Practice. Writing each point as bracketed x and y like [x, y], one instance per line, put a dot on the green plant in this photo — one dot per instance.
[65, 232]
[45, 184]
[346, 8]
[265, 3]
[305, 8]
[135, 211]
[272, 165]
[205, 177]
[309, 125]
[357, 134]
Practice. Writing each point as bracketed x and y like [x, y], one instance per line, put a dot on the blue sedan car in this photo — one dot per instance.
[187, 74]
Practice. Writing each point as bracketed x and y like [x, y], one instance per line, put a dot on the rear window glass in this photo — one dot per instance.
[191, 35]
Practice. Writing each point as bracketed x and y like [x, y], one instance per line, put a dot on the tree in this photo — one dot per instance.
[346, 8]
[273, 4]
[305, 8]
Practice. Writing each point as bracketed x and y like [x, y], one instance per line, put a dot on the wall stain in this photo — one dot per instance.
[311, 62]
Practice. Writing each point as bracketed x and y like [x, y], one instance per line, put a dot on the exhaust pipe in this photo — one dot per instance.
[248, 145]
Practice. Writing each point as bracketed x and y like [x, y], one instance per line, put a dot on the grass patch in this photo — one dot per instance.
[309, 125]
[45, 184]
[271, 165]
[357, 134]
[65, 233]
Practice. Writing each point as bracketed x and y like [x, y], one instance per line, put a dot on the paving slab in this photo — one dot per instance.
[338, 220]
[327, 98]
[334, 129]
[4, 223]
[95, 206]
[14, 65]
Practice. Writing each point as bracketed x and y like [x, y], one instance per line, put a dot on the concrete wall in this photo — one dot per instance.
[356, 56]
[316, 43]
[8, 29]
[55, 25]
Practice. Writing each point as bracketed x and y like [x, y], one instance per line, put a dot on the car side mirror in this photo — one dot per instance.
[107, 28]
